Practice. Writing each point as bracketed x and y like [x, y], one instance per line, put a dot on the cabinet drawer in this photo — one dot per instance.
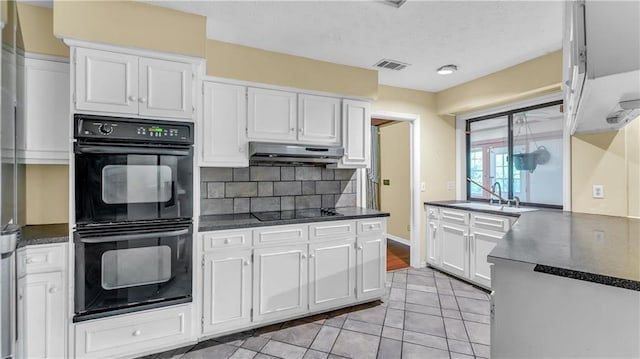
[454, 216]
[225, 239]
[490, 222]
[135, 333]
[331, 230]
[279, 234]
[41, 258]
[371, 226]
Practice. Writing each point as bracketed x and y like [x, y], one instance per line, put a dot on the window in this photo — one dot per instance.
[518, 153]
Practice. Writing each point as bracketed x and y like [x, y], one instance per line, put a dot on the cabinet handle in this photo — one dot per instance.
[53, 290]
[241, 149]
[29, 260]
[143, 99]
[300, 130]
[292, 129]
[132, 98]
[137, 333]
[19, 296]
[359, 248]
[227, 241]
[304, 256]
[246, 262]
[312, 255]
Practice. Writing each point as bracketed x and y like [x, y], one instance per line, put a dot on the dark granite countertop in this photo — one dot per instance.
[595, 248]
[246, 220]
[44, 234]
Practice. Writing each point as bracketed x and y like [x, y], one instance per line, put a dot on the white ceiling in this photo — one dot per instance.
[479, 37]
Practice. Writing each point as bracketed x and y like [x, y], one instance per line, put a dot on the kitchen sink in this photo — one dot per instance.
[494, 207]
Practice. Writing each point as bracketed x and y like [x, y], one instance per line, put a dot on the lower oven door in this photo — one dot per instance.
[123, 270]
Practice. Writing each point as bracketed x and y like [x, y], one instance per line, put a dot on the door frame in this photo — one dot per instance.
[415, 221]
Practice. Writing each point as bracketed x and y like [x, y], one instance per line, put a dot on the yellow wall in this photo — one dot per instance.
[251, 64]
[47, 194]
[537, 77]
[131, 24]
[437, 140]
[36, 29]
[395, 198]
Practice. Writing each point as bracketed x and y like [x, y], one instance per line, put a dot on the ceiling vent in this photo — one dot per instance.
[395, 3]
[390, 65]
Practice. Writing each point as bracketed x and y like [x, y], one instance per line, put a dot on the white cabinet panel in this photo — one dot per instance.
[319, 120]
[371, 263]
[165, 88]
[280, 282]
[41, 321]
[332, 273]
[454, 253]
[356, 135]
[43, 112]
[106, 81]
[224, 140]
[129, 334]
[433, 243]
[272, 115]
[482, 243]
[227, 290]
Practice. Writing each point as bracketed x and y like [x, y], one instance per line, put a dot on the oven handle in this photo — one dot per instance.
[131, 150]
[129, 237]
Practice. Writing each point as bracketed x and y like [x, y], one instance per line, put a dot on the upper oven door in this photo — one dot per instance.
[115, 183]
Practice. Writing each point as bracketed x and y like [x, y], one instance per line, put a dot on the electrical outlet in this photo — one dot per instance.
[386, 182]
[451, 185]
[423, 186]
[598, 191]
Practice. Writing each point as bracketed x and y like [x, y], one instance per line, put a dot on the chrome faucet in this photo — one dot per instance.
[499, 191]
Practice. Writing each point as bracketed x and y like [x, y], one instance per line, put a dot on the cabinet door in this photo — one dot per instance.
[272, 115]
[41, 315]
[332, 273]
[372, 264]
[224, 140]
[482, 243]
[106, 81]
[454, 254]
[45, 118]
[319, 120]
[433, 243]
[227, 290]
[356, 133]
[279, 282]
[165, 88]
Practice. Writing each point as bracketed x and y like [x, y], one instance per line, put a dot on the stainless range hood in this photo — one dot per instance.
[274, 152]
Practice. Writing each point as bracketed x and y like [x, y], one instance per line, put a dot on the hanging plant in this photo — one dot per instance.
[529, 161]
[525, 161]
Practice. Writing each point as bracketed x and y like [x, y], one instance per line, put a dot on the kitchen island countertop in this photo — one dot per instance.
[246, 220]
[44, 234]
[594, 248]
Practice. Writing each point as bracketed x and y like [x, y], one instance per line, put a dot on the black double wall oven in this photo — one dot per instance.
[133, 208]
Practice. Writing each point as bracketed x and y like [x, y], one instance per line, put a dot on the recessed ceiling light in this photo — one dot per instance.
[447, 69]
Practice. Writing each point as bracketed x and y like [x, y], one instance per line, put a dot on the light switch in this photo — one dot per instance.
[423, 186]
[598, 191]
[451, 185]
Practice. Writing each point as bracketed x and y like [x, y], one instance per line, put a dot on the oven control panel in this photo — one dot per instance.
[114, 128]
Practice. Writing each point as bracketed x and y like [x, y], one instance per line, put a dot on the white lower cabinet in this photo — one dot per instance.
[279, 282]
[459, 242]
[41, 323]
[226, 290]
[372, 265]
[332, 273]
[41, 271]
[454, 244]
[127, 335]
[481, 243]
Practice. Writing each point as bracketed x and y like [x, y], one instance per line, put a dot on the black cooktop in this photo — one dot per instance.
[298, 214]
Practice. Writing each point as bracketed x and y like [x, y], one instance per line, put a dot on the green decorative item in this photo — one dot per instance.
[525, 161]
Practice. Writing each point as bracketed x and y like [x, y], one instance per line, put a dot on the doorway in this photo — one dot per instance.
[389, 185]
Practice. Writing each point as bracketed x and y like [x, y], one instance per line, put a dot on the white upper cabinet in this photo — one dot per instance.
[318, 120]
[106, 81]
[356, 133]
[125, 84]
[43, 112]
[272, 115]
[224, 122]
[165, 88]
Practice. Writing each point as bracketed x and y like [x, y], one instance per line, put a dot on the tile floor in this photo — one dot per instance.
[426, 314]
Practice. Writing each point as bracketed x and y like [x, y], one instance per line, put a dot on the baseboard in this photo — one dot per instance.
[397, 239]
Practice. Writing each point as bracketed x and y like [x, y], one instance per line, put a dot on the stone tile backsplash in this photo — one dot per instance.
[274, 188]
